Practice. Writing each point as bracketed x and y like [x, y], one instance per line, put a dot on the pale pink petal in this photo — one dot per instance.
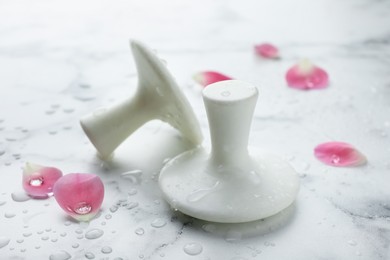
[80, 195]
[205, 78]
[38, 181]
[306, 76]
[267, 50]
[339, 154]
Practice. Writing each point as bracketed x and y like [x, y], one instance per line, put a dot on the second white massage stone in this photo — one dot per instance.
[229, 184]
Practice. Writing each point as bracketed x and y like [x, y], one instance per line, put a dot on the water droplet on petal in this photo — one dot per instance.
[339, 154]
[94, 233]
[38, 181]
[306, 76]
[83, 208]
[193, 248]
[61, 255]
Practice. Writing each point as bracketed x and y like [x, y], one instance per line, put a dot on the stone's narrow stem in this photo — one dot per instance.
[230, 106]
[107, 128]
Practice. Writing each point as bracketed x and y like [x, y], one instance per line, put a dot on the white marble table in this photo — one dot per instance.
[62, 59]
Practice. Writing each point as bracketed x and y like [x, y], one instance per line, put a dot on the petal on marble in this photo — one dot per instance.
[339, 154]
[267, 50]
[306, 76]
[80, 195]
[205, 78]
[38, 181]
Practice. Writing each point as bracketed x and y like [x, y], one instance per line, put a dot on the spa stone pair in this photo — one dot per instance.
[226, 184]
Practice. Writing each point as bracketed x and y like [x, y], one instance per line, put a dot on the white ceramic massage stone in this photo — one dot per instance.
[229, 184]
[157, 97]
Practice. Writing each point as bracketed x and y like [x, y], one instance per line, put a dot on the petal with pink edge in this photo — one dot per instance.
[306, 76]
[339, 154]
[80, 195]
[267, 50]
[205, 78]
[38, 181]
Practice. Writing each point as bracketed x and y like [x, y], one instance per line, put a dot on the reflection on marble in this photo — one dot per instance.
[60, 60]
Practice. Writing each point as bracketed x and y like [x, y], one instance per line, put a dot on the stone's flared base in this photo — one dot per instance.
[194, 185]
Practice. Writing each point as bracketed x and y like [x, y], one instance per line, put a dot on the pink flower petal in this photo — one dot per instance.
[38, 181]
[339, 154]
[80, 195]
[306, 76]
[267, 50]
[208, 77]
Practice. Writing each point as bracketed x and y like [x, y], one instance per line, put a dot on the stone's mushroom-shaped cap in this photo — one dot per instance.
[157, 97]
[228, 184]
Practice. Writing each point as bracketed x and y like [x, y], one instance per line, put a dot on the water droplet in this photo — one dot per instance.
[132, 205]
[106, 250]
[352, 242]
[9, 215]
[20, 240]
[63, 234]
[36, 182]
[132, 192]
[54, 240]
[83, 208]
[89, 255]
[113, 208]
[140, 231]
[52, 132]
[75, 245]
[4, 241]
[166, 160]
[45, 238]
[158, 223]
[2, 152]
[94, 233]
[68, 110]
[27, 234]
[2, 202]
[61, 255]
[233, 236]
[50, 112]
[133, 176]
[335, 159]
[193, 248]
[198, 194]
[20, 196]
[210, 228]
[79, 231]
[225, 93]
[108, 216]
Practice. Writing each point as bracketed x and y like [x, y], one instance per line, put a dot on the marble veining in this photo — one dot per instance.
[60, 60]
